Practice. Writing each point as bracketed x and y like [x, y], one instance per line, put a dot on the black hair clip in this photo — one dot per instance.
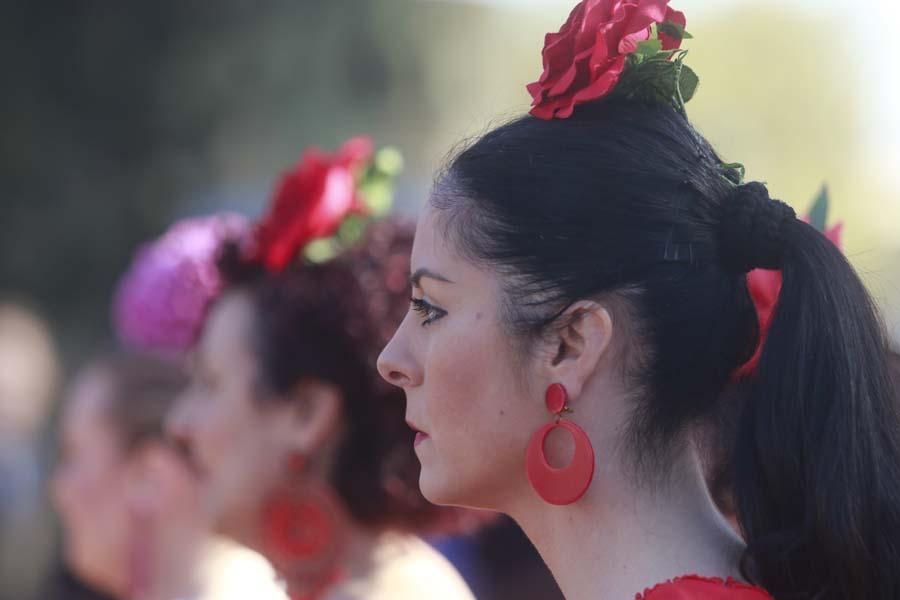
[684, 252]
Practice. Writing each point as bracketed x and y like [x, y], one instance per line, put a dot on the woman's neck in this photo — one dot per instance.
[177, 543]
[351, 560]
[620, 539]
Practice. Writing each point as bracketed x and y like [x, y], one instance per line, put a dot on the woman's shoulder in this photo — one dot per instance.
[404, 566]
[228, 571]
[695, 587]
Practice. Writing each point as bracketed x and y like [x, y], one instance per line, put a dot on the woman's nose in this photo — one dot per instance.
[395, 364]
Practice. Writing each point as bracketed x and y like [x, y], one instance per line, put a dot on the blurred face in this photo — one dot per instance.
[90, 485]
[468, 391]
[234, 437]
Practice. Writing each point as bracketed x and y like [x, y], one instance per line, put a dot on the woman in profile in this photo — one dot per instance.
[579, 305]
[302, 450]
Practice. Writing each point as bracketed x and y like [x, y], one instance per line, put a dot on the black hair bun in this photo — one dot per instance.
[752, 229]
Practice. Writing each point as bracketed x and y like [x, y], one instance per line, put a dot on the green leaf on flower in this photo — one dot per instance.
[735, 166]
[389, 161]
[351, 230]
[376, 187]
[649, 48]
[687, 82]
[651, 82]
[319, 251]
[818, 213]
[377, 193]
[674, 30]
[666, 54]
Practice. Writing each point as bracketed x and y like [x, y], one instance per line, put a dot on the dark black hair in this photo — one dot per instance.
[629, 202]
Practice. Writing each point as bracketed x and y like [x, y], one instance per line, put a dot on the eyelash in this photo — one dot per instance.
[428, 311]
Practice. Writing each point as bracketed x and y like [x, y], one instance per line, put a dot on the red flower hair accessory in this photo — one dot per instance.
[319, 197]
[630, 47]
[765, 285]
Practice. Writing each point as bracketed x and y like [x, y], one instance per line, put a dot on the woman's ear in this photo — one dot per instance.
[579, 344]
[312, 416]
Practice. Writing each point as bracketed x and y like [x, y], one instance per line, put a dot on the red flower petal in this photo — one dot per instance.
[603, 83]
[629, 43]
[310, 202]
[764, 286]
[543, 111]
[834, 234]
[584, 60]
[337, 197]
[562, 84]
[677, 17]
[356, 151]
[651, 11]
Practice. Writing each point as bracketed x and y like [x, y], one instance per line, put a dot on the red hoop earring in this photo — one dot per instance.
[567, 484]
[302, 534]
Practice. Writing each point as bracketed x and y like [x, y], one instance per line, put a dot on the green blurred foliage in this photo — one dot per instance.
[118, 117]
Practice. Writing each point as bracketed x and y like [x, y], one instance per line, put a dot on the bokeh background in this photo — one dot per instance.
[117, 118]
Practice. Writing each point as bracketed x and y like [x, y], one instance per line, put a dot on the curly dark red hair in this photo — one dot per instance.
[329, 321]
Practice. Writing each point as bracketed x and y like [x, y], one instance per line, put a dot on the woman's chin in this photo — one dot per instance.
[434, 487]
[443, 491]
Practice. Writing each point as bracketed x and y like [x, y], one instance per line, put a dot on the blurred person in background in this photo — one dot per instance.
[302, 451]
[113, 426]
[29, 373]
[127, 498]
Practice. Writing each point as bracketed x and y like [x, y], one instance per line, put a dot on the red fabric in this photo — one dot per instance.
[694, 587]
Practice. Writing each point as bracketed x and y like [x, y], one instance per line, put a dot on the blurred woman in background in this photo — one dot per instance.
[303, 452]
[127, 499]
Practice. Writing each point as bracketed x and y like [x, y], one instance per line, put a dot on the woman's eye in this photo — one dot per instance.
[428, 311]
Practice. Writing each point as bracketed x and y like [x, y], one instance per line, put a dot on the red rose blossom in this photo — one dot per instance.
[585, 60]
[310, 202]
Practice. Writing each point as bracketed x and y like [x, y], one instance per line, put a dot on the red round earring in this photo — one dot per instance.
[567, 484]
[302, 535]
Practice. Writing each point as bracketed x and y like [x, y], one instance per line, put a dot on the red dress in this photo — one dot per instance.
[694, 587]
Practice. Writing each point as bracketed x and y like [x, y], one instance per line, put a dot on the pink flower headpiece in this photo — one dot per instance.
[162, 299]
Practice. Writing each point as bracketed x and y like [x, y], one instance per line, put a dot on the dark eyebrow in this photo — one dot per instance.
[416, 277]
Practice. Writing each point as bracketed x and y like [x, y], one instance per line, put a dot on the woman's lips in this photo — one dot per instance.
[421, 436]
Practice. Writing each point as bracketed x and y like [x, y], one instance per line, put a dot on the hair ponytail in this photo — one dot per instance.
[817, 457]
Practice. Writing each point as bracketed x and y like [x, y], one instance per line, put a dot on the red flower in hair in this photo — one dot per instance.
[311, 201]
[585, 59]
